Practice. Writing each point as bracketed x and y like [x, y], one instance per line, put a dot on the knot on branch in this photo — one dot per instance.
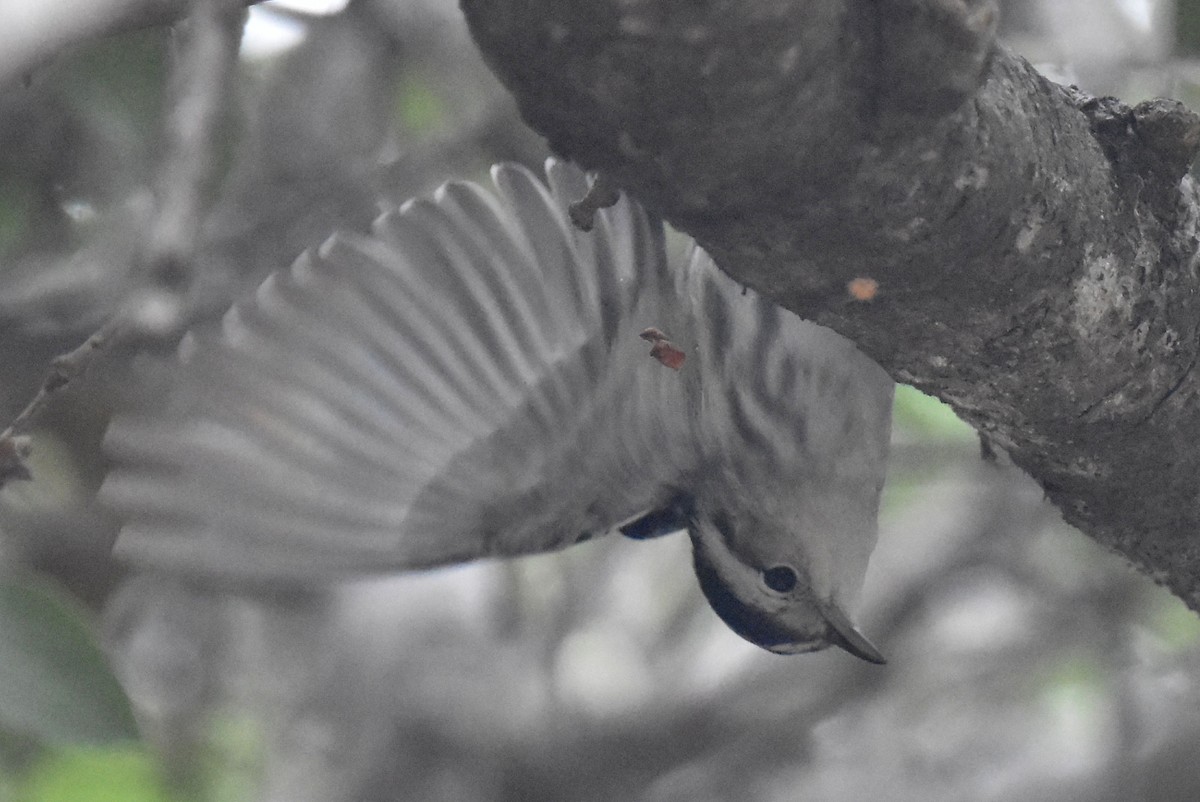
[1170, 132]
[1155, 141]
[1159, 137]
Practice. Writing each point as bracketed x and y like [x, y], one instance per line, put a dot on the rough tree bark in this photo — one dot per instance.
[1035, 250]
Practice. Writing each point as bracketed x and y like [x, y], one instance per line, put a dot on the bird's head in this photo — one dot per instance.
[785, 587]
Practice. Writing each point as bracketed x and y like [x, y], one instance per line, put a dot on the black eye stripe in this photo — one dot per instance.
[754, 625]
[724, 527]
[781, 578]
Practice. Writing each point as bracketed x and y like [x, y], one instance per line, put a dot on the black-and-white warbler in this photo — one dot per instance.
[472, 380]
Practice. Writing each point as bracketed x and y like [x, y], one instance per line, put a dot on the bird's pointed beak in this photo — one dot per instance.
[843, 635]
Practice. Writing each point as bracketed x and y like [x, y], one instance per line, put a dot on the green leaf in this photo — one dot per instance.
[125, 774]
[1178, 626]
[55, 684]
[928, 417]
[421, 109]
[16, 210]
[1187, 28]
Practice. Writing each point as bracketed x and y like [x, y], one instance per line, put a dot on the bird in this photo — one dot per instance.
[471, 379]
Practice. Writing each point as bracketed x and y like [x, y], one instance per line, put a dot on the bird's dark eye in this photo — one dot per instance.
[781, 578]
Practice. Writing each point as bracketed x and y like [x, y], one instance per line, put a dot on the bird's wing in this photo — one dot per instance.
[466, 381]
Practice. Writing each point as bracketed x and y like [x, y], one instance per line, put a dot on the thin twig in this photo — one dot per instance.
[15, 444]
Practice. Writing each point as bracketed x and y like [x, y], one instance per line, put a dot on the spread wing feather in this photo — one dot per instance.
[466, 381]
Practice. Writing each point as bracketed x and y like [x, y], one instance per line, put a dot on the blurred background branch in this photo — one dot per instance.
[198, 101]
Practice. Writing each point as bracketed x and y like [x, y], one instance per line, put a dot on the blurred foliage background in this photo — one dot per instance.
[1026, 663]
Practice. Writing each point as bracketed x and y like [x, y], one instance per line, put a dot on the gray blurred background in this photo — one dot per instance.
[1025, 662]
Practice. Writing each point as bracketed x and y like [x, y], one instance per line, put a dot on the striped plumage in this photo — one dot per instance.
[469, 380]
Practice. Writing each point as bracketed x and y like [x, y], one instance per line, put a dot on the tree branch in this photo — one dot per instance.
[1034, 250]
[198, 103]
